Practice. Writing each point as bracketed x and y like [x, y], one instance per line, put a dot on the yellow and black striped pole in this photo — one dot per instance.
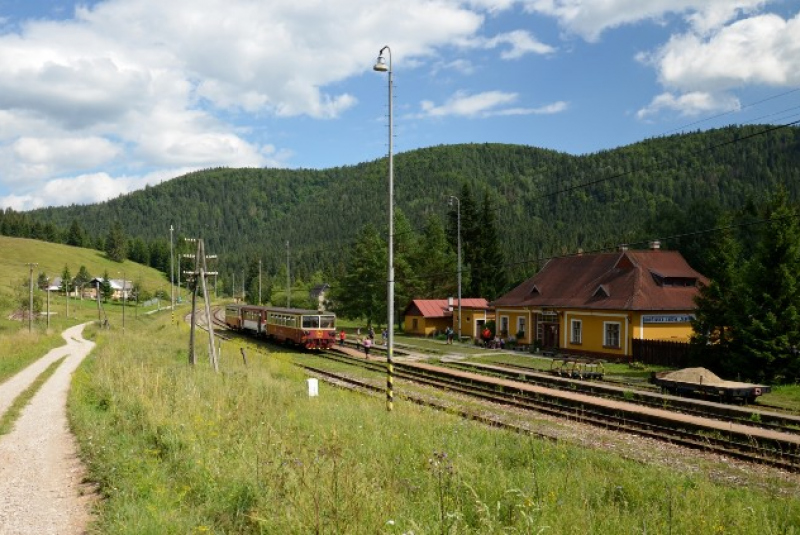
[389, 380]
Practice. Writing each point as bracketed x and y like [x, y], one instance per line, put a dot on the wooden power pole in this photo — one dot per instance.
[197, 279]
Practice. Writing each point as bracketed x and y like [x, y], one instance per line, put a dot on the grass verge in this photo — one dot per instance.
[182, 450]
[10, 416]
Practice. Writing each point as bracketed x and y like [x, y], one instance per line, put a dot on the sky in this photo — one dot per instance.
[99, 98]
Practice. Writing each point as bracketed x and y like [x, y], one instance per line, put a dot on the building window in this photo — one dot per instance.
[576, 332]
[504, 325]
[521, 326]
[611, 334]
[414, 324]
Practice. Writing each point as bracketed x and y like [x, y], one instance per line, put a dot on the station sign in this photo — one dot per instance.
[667, 318]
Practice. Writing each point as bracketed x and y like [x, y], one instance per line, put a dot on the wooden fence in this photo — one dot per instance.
[661, 353]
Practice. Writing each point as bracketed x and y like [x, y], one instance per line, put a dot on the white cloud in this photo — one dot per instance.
[87, 188]
[590, 18]
[486, 104]
[134, 85]
[521, 43]
[689, 104]
[759, 50]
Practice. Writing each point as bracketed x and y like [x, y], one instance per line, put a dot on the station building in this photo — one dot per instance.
[596, 304]
[428, 316]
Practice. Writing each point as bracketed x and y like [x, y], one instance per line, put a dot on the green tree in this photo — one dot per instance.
[116, 243]
[717, 317]
[138, 251]
[43, 281]
[771, 338]
[82, 278]
[67, 284]
[436, 263]
[76, 235]
[106, 291]
[361, 292]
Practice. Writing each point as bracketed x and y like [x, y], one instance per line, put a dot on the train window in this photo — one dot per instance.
[311, 322]
[327, 322]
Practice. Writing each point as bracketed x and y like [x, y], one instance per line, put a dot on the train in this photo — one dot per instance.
[310, 329]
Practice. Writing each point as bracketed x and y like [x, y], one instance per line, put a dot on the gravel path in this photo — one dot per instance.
[40, 473]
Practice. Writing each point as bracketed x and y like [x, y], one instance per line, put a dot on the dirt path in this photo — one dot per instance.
[40, 473]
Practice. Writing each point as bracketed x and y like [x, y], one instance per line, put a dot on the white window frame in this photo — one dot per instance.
[606, 342]
[573, 339]
[504, 324]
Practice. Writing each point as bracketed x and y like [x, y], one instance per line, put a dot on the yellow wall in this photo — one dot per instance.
[641, 325]
[675, 331]
[513, 316]
[425, 326]
[593, 331]
[469, 317]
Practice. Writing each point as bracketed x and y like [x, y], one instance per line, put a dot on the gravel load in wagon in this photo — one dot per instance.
[705, 383]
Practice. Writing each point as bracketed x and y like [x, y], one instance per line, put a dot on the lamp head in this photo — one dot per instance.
[380, 65]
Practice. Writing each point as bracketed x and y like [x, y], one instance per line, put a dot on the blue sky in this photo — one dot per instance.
[100, 98]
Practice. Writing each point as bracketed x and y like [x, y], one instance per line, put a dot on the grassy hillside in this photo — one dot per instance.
[20, 347]
[16, 253]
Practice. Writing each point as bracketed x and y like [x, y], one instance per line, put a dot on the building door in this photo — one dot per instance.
[547, 330]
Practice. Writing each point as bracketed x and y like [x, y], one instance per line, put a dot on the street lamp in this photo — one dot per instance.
[381, 66]
[458, 208]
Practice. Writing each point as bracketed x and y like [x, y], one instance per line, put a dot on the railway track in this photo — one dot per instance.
[744, 415]
[766, 446]
[774, 442]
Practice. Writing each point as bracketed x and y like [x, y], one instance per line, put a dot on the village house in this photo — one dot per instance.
[597, 304]
[430, 316]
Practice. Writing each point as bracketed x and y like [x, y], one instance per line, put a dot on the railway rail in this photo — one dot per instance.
[744, 415]
[775, 442]
[766, 446]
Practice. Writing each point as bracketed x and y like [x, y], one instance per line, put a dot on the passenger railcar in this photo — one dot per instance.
[307, 328]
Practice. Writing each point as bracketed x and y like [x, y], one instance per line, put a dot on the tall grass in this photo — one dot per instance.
[19, 348]
[180, 450]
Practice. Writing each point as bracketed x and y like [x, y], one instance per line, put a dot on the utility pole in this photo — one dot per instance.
[233, 287]
[31, 265]
[171, 276]
[198, 277]
[243, 290]
[259, 282]
[288, 279]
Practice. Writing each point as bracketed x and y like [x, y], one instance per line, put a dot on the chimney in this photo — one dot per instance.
[450, 304]
[655, 245]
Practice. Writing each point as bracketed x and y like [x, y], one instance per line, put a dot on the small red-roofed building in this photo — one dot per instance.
[596, 304]
[426, 317]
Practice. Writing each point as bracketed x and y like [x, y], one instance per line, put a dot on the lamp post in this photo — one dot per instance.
[381, 66]
[458, 218]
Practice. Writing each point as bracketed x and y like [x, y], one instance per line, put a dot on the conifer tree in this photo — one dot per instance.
[116, 243]
[772, 335]
[361, 292]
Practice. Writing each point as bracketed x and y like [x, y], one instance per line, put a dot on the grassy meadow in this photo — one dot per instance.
[18, 346]
[181, 450]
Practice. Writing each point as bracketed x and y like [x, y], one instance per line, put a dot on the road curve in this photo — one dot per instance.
[40, 473]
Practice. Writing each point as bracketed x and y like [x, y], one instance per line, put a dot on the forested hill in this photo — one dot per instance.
[547, 202]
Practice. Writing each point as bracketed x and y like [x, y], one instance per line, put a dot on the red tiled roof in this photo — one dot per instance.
[439, 308]
[627, 280]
